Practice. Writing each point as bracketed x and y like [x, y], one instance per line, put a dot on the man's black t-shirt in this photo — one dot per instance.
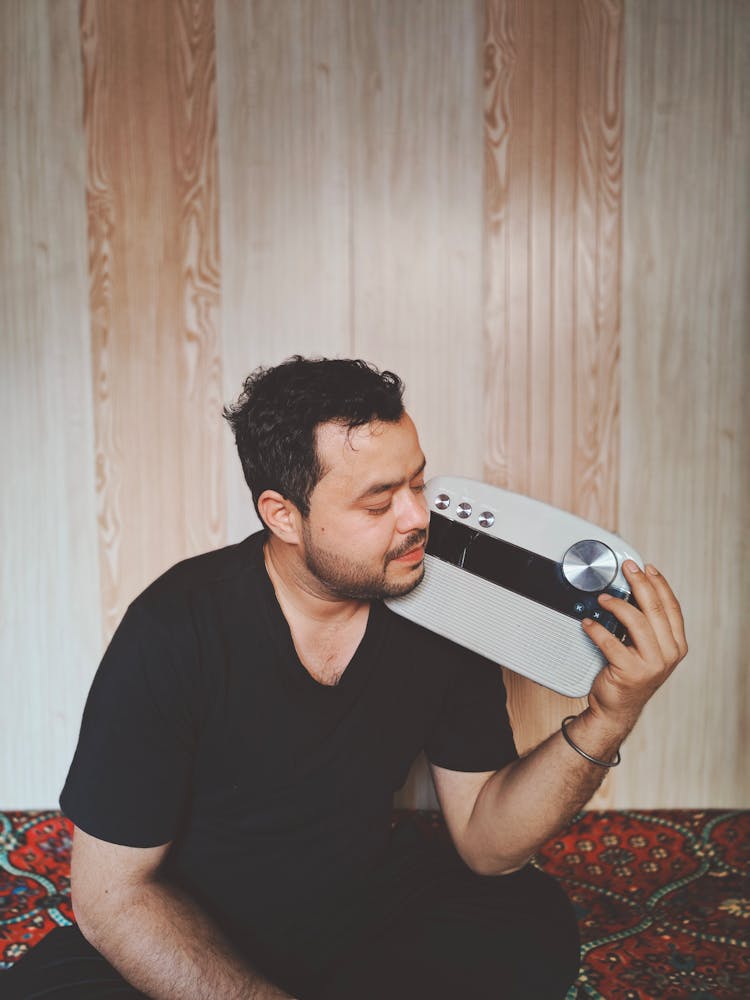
[203, 728]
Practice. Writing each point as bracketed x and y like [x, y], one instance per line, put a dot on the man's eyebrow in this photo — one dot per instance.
[378, 488]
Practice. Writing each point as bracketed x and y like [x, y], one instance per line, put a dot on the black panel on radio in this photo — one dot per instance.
[519, 570]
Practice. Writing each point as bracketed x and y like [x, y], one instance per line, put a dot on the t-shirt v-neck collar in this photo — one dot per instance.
[359, 666]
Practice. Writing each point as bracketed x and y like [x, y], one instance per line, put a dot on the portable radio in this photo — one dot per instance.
[512, 578]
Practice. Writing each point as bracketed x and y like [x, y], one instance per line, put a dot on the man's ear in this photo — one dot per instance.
[280, 516]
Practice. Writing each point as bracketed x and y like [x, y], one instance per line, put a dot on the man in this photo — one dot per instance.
[256, 710]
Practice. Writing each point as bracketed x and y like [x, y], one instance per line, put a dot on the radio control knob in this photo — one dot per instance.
[464, 510]
[442, 501]
[486, 519]
[589, 565]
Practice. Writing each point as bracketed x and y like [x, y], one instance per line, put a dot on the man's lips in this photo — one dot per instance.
[413, 555]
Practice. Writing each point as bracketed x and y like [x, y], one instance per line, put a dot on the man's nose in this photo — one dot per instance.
[413, 514]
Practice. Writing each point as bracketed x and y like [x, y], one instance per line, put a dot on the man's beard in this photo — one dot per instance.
[356, 581]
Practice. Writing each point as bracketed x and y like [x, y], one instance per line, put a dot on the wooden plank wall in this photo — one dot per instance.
[685, 427]
[553, 114]
[152, 196]
[532, 211]
[350, 167]
[50, 630]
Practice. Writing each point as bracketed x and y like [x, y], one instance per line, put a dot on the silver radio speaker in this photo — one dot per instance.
[512, 578]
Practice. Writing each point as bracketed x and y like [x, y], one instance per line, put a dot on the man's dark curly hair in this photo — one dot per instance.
[276, 416]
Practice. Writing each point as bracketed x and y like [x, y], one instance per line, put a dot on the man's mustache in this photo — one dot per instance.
[418, 538]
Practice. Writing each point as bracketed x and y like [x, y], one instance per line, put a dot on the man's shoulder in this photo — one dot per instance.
[418, 639]
[219, 570]
[430, 647]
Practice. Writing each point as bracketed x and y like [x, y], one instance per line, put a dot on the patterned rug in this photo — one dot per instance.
[662, 897]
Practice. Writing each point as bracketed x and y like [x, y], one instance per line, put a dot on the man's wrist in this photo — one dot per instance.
[597, 736]
[587, 756]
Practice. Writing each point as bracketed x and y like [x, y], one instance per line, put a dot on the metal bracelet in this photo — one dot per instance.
[594, 760]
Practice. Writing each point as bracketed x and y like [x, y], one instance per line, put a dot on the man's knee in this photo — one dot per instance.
[511, 936]
[479, 938]
[541, 943]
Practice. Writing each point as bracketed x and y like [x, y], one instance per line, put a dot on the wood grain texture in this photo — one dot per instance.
[416, 182]
[150, 116]
[283, 90]
[49, 596]
[685, 464]
[553, 173]
[416, 140]
[366, 170]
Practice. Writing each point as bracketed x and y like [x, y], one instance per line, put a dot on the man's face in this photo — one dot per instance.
[365, 534]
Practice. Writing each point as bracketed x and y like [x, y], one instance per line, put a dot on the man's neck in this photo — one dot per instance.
[303, 599]
[325, 630]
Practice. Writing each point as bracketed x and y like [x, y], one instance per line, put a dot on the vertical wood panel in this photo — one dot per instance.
[49, 619]
[553, 133]
[416, 141]
[285, 215]
[685, 484]
[149, 70]
[416, 156]
[598, 261]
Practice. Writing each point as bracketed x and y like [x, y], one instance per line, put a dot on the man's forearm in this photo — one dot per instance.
[162, 943]
[520, 807]
[526, 803]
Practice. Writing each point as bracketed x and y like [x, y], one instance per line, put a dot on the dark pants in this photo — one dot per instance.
[427, 927]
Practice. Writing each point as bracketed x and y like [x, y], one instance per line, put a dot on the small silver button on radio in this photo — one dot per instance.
[486, 519]
[464, 510]
[442, 501]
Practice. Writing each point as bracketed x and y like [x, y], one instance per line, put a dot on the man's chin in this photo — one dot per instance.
[403, 587]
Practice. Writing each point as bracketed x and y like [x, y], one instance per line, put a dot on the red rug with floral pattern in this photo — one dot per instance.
[662, 897]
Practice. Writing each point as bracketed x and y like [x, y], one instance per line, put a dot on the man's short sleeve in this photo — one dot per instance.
[130, 773]
[473, 731]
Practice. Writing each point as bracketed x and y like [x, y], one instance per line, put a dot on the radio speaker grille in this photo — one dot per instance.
[528, 638]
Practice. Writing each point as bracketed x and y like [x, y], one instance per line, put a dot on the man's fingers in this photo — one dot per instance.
[657, 634]
[642, 634]
[671, 607]
[644, 646]
[652, 608]
[616, 653]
